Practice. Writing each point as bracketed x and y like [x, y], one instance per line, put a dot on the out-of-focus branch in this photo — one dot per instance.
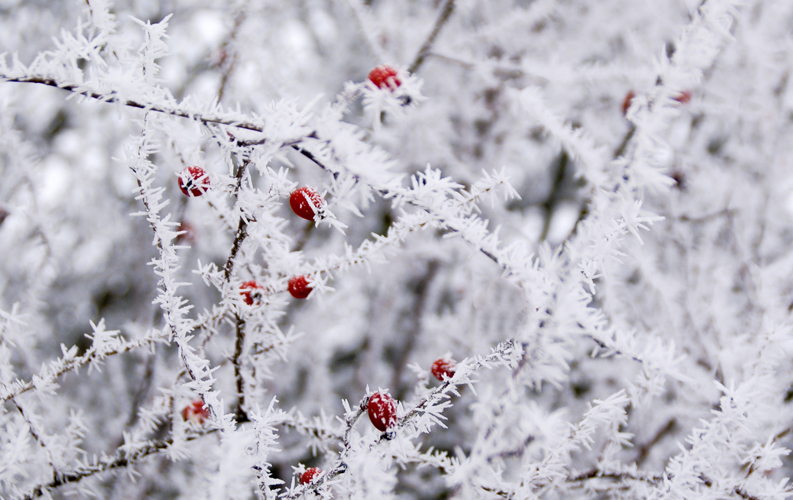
[241, 16]
[644, 450]
[408, 341]
[359, 16]
[554, 196]
[446, 12]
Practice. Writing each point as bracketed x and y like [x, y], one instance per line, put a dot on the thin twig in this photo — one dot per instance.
[446, 12]
[408, 341]
[242, 232]
[112, 98]
[555, 195]
[119, 459]
[644, 450]
[239, 344]
[92, 354]
[231, 38]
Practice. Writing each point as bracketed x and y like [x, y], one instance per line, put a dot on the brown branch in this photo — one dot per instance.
[446, 12]
[617, 153]
[554, 196]
[408, 341]
[239, 344]
[644, 450]
[223, 47]
[242, 233]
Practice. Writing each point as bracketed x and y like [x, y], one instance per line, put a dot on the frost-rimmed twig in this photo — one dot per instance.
[462, 204]
[105, 343]
[551, 470]
[212, 116]
[124, 456]
[318, 427]
[174, 307]
[429, 193]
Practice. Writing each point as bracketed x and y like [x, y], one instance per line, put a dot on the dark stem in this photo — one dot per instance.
[242, 232]
[230, 68]
[112, 97]
[625, 141]
[446, 12]
[409, 340]
[644, 450]
[304, 236]
[555, 195]
[239, 344]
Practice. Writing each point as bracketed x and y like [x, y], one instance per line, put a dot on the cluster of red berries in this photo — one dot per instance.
[195, 412]
[385, 77]
[194, 181]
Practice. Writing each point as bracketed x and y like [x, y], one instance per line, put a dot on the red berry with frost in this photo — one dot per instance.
[385, 77]
[299, 287]
[626, 103]
[309, 475]
[187, 233]
[194, 181]
[195, 412]
[301, 201]
[382, 411]
[683, 97]
[443, 368]
[251, 292]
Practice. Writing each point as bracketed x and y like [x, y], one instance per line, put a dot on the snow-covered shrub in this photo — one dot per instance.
[588, 205]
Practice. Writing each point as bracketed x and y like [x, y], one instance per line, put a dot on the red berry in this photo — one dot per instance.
[443, 367]
[251, 292]
[195, 412]
[187, 233]
[683, 97]
[299, 201]
[299, 287]
[194, 181]
[626, 103]
[385, 77]
[308, 476]
[382, 411]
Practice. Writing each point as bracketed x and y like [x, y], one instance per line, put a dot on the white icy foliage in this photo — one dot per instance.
[613, 272]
